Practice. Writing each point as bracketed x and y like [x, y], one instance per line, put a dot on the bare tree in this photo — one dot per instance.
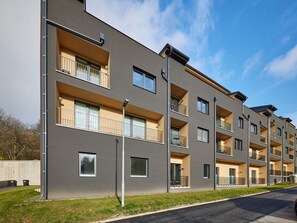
[17, 140]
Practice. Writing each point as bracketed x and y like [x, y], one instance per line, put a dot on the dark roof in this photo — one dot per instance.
[239, 95]
[175, 54]
[285, 119]
[266, 109]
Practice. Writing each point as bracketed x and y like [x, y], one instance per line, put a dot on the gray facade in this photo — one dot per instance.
[78, 70]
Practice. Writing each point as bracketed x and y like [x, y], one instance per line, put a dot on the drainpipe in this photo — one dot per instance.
[283, 152]
[44, 102]
[268, 150]
[168, 118]
[248, 118]
[215, 143]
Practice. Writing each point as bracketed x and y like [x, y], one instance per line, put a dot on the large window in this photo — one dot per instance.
[87, 71]
[238, 144]
[254, 128]
[203, 135]
[86, 116]
[144, 80]
[139, 167]
[206, 171]
[240, 122]
[134, 127]
[87, 165]
[202, 106]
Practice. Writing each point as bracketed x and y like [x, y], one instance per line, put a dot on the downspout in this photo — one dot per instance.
[168, 118]
[283, 152]
[215, 143]
[44, 101]
[268, 150]
[248, 118]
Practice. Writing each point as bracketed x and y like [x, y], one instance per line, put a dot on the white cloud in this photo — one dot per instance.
[251, 63]
[19, 59]
[284, 66]
[184, 26]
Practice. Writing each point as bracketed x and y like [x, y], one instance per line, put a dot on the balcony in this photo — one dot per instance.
[178, 140]
[262, 139]
[227, 181]
[179, 181]
[275, 172]
[273, 135]
[224, 150]
[291, 156]
[93, 122]
[222, 124]
[255, 156]
[287, 173]
[275, 152]
[84, 71]
[257, 180]
[291, 143]
[179, 108]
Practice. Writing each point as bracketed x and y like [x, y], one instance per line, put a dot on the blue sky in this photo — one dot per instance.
[245, 45]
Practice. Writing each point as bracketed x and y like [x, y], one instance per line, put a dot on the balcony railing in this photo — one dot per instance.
[181, 181]
[262, 139]
[224, 150]
[224, 125]
[178, 140]
[275, 152]
[81, 120]
[83, 71]
[272, 135]
[256, 156]
[257, 180]
[287, 173]
[179, 108]
[275, 172]
[225, 181]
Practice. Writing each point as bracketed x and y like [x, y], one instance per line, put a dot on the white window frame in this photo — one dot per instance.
[80, 156]
[200, 103]
[201, 137]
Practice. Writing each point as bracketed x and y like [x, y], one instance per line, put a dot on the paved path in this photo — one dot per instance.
[276, 206]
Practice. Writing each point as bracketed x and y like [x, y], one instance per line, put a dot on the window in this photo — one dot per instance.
[144, 80]
[254, 128]
[286, 135]
[202, 106]
[87, 71]
[86, 116]
[134, 127]
[287, 150]
[206, 171]
[240, 122]
[238, 144]
[87, 165]
[279, 131]
[202, 135]
[139, 167]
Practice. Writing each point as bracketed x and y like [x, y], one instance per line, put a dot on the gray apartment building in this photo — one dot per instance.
[182, 130]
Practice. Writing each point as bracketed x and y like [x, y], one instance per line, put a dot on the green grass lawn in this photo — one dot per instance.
[21, 204]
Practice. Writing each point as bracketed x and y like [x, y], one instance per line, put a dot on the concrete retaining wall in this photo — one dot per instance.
[20, 170]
